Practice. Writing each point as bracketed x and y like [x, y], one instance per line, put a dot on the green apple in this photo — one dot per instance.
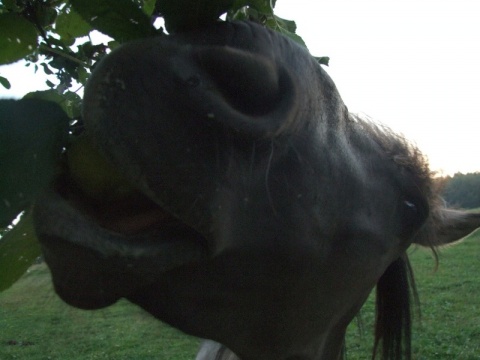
[93, 174]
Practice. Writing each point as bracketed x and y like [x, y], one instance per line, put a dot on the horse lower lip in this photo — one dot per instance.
[153, 249]
[93, 267]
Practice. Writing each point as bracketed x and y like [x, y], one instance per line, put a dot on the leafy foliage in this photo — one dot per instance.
[201, 12]
[55, 34]
[463, 190]
[122, 20]
[32, 135]
[19, 38]
[18, 249]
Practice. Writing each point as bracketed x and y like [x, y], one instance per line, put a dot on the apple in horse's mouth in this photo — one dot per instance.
[92, 184]
[93, 174]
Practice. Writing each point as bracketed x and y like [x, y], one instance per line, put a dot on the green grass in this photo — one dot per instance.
[36, 325]
[449, 324]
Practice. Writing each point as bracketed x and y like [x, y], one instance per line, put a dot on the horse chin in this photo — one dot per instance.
[98, 253]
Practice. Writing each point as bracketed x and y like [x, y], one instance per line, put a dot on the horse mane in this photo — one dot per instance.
[393, 314]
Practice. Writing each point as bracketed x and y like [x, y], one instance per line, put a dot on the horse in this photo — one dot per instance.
[263, 212]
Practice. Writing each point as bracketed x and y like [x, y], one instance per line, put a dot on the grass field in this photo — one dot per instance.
[36, 325]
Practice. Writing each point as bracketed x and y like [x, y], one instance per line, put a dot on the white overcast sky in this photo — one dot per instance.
[411, 64]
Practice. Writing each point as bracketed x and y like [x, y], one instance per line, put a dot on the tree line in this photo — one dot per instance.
[463, 190]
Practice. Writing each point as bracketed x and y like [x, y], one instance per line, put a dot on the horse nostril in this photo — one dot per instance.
[248, 82]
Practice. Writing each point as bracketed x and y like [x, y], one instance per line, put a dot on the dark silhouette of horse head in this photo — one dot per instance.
[265, 214]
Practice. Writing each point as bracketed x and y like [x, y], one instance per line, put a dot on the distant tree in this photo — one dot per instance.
[463, 190]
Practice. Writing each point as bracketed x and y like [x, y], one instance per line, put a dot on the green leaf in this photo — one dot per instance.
[18, 249]
[148, 6]
[123, 20]
[69, 102]
[11, 5]
[262, 11]
[323, 60]
[32, 135]
[113, 44]
[240, 14]
[18, 38]
[83, 76]
[45, 15]
[263, 6]
[70, 25]
[5, 83]
[46, 69]
[181, 15]
[248, 13]
[285, 27]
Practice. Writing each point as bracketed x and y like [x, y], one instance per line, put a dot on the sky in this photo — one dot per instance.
[413, 65]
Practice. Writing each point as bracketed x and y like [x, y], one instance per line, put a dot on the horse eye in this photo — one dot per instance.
[413, 214]
[410, 206]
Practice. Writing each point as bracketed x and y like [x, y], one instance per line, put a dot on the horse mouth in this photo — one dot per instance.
[126, 215]
[99, 252]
